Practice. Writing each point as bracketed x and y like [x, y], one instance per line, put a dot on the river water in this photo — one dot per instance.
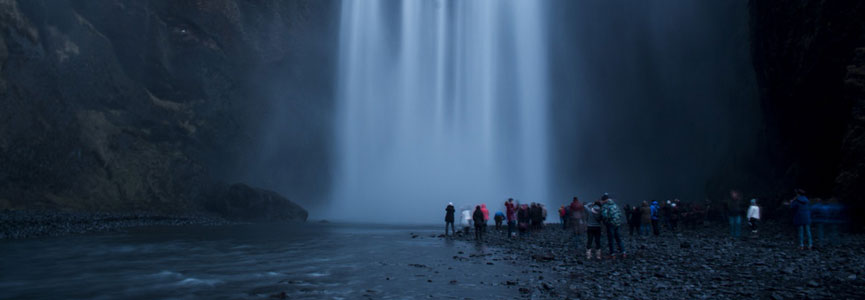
[315, 261]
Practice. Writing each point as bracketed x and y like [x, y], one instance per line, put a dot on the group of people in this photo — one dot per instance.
[478, 218]
[522, 217]
[604, 215]
[823, 214]
[590, 218]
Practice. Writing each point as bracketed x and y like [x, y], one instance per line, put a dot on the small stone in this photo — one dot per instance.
[851, 277]
[813, 283]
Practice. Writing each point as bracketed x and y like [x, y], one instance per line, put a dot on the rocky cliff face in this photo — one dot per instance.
[810, 76]
[126, 105]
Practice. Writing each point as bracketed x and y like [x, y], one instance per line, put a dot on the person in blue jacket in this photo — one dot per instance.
[655, 211]
[802, 217]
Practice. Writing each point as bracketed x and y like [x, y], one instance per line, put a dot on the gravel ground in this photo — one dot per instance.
[697, 263]
[29, 224]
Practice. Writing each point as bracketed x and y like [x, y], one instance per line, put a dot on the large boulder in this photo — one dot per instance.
[241, 202]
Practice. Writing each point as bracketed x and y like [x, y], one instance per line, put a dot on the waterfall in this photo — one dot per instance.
[439, 101]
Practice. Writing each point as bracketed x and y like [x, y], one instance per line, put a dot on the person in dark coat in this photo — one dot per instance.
[478, 218]
[634, 220]
[645, 218]
[449, 218]
[735, 209]
[802, 217]
[536, 214]
[523, 219]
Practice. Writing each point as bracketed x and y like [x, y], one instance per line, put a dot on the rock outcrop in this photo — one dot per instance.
[240, 202]
[125, 105]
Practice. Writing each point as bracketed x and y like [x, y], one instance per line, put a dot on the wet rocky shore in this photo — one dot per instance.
[692, 264]
[28, 224]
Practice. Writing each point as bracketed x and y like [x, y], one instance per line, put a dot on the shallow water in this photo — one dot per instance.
[331, 261]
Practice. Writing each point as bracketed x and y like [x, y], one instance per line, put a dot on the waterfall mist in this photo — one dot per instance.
[652, 99]
[439, 101]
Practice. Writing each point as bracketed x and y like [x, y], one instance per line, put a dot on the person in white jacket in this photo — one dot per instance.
[466, 220]
[753, 215]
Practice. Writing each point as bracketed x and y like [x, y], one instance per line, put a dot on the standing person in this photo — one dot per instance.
[593, 229]
[612, 217]
[511, 211]
[523, 219]
[499, 218]
[753, 215]
[645, 218]
[543, 214]
[478, 217]
[466, 220]
[535, 216]
[636, 218]
[562, 217]
[802, 217]
[834, 216]
[577, 220]
[818, 219]
[449, 218]
[654, 216]
[735, 210]
[665, 215]
[486, 213]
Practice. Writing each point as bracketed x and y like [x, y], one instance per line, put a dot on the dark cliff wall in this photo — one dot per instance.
[651, 99]
[810, 78]
[134, 105]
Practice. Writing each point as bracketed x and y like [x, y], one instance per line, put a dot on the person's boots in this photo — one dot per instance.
[598, 255]
[588, 253]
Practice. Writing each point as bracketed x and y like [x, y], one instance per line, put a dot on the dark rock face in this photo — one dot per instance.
[851, 181]
[127, 105]
[243, 203]
[801, 52]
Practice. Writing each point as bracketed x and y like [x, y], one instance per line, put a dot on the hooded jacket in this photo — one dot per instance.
[449, 214]
[593, 215]
[801, 211]
[478, 217]
[486, 212]
[467, 217]
[645, 214]
[654, 211]
[511, 211]
[611, 214]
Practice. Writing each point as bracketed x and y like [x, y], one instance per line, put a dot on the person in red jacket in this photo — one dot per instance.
[486, 215]
[562, 218]
[577, 220]
[511, 213]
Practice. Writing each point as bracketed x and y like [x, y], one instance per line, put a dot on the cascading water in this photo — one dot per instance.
[439, 101]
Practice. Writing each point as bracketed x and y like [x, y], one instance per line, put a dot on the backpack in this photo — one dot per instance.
[611, 214]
